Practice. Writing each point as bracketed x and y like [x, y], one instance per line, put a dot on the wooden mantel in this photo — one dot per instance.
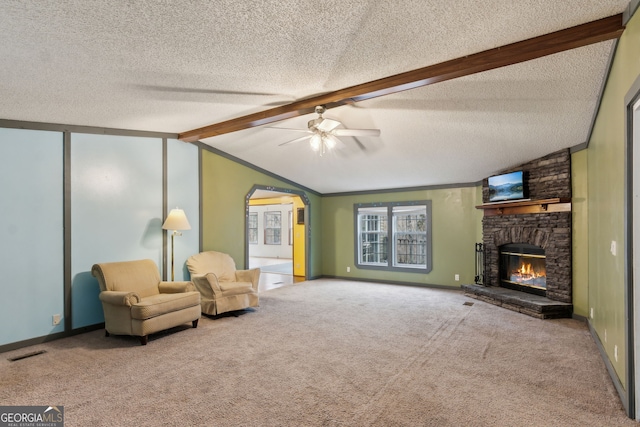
[526, 207]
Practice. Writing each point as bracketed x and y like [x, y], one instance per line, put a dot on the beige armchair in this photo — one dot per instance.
[136, 302]
[223, 288]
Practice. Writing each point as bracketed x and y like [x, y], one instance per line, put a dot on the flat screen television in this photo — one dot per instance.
[508, 186]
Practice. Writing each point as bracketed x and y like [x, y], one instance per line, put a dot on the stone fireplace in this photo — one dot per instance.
[527, 243]
[551, 232]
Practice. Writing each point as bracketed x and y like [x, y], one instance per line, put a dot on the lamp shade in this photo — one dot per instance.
[176, 220]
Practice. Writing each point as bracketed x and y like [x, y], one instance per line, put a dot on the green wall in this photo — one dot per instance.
[606, 182]
[225, 184]
[456, 226]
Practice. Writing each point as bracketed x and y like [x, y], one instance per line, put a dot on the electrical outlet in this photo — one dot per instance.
[614, 248]
[348, 269]
[457, 277]
[615, 352]
[605, 335]
[56, 319]
[591, 313]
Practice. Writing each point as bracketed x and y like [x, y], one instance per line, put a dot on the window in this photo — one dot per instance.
[253, 228]
[410, 236]
[272, 228]
[394, 236]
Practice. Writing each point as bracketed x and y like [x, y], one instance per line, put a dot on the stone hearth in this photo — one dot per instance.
[522, 302]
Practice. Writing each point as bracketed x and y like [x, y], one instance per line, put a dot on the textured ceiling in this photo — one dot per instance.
[175, 66]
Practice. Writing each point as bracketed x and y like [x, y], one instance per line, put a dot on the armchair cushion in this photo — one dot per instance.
[157, 305]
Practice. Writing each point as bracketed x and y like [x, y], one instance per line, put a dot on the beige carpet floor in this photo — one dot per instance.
[330, 353]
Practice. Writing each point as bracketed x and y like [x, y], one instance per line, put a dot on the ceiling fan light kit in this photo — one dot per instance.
[324, 132]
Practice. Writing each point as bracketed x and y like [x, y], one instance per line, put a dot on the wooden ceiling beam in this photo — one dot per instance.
[537, 47]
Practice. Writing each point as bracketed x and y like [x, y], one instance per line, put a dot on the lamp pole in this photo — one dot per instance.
[176, 220]
[175, 233]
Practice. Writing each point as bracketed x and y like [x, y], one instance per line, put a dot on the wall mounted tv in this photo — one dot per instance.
[508, 186]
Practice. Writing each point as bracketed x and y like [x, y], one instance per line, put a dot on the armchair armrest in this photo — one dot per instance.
[122, 298]
[207, 285]
[252, 276]
[175, 287]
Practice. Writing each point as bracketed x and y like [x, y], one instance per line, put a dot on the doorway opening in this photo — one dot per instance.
[277, 235]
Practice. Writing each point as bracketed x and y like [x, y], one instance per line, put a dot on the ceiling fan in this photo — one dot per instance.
[323, 132]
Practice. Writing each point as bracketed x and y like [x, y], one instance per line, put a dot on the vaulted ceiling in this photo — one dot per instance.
[182, 65]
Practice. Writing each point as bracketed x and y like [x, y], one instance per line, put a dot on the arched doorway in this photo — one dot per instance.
[277, 235]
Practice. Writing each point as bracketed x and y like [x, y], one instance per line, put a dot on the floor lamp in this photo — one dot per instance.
[176, 220]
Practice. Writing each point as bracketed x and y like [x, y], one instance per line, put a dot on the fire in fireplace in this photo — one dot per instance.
[522, 267]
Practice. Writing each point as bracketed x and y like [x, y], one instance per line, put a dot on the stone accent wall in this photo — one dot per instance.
[548, 177]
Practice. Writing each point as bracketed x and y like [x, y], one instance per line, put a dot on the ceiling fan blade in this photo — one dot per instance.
[328, 125]
[293, 129]
[302, 138]
[356, 132]
[183, 89]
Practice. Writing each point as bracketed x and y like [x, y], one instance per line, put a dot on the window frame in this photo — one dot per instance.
[390, 234]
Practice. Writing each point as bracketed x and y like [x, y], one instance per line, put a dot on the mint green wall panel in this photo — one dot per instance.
[183, 191]
[32, 249]
[116, 211]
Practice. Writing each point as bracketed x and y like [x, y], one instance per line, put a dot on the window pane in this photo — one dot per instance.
[253, 220]
[374, 248]
[271, 236]
[411, 250]
[373, 223]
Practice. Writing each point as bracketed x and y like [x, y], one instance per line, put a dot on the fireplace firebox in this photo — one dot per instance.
[523, 267]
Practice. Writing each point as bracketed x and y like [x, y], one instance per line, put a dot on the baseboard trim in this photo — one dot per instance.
[392, 282]
[622, 393]
[46, 338]
[579, 317]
